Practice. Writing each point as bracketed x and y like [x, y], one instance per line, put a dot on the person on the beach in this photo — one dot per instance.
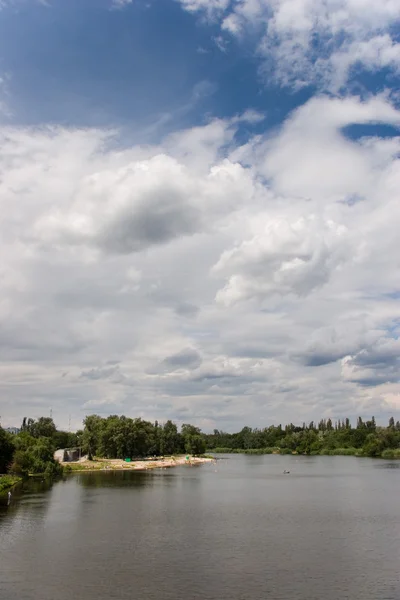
[9, 497]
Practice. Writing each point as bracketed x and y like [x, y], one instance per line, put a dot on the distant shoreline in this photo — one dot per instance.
[386, 454]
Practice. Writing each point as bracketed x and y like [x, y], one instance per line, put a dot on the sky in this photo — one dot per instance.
[199, 210]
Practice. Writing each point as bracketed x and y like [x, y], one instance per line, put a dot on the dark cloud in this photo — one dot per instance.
[376, 365]
[379, 357]
[185, 309]
[204, 377]
[98, 373]
[187, 359]
[320, 359]
[158, 220]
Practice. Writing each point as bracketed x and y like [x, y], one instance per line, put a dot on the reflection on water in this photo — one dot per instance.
[379, 464]
[237, 530]
[25, 490]
[115, 479]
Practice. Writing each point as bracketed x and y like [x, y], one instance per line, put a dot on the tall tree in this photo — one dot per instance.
[91, 434]
[43, 427]
[6, 450]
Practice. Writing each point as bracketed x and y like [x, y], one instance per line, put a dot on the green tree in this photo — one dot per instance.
[170, 439]
[35, 456]
[43, 427]
[91, 434]
[6, 450]
[195, 444]
[64, 439]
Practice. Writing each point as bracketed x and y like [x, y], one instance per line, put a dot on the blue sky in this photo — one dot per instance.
[199, 207]
[88, 64]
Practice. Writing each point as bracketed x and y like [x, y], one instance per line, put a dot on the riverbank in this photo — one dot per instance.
[7, 482]
[103, 464]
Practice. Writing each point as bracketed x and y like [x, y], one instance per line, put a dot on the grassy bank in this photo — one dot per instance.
[391, 453]
[7, 482]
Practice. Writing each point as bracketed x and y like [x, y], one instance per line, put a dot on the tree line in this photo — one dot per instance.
[325, 437]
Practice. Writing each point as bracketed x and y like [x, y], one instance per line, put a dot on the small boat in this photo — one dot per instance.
[286, 472]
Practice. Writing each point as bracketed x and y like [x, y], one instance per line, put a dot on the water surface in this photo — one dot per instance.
[238, 530]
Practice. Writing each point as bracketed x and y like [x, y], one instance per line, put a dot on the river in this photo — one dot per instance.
[236, 530]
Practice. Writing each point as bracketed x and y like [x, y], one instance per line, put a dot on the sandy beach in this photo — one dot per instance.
[102, 464]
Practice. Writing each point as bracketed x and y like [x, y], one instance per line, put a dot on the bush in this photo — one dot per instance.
[344, 452]
[7, 482]
[20, 464]
[36, 459]
[391, 453]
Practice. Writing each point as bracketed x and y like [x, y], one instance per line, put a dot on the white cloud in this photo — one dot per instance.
[308, 238]
[283, 257]
[312, 42]
[121, 3]
[5, 111]
[145, 202]
[171, 281]
[221, 43]
[250, 116]
[374, 54]
[312, 158]
[210, 7]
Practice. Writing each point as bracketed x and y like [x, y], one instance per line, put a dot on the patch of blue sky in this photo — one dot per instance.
[82, 64]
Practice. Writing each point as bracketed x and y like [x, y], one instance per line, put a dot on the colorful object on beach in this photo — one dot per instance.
[128, 460]
[187, 457]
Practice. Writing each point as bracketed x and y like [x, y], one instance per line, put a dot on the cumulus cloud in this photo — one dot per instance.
[282, 257]
[308, 238]
[306, 42]
[121, 202]
[199, 280]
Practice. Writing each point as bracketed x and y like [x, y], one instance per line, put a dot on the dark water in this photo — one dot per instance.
[238, 530]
